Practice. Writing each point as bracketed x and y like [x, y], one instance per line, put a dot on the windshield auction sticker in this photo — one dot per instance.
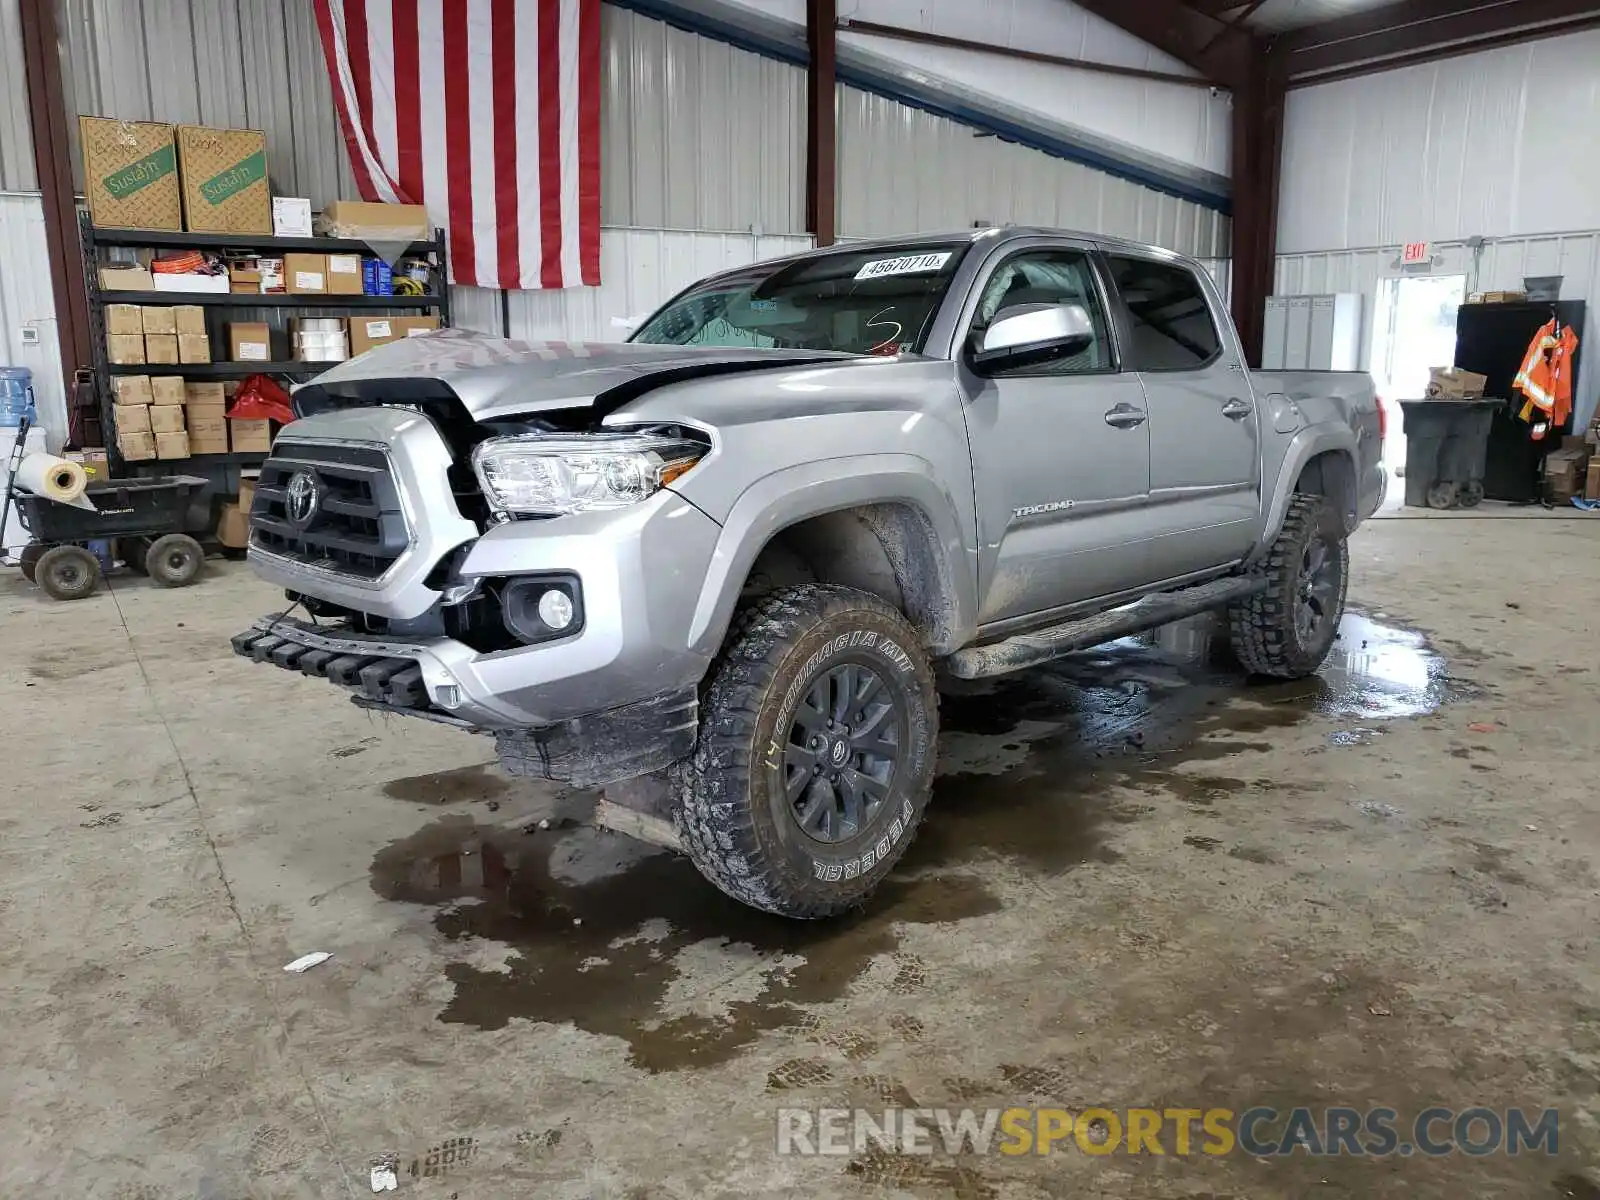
[908, 264]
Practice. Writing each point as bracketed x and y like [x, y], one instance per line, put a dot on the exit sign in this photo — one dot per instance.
[1414, 253]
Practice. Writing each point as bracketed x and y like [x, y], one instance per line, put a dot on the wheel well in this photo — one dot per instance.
[1332, 476]
[889, 550]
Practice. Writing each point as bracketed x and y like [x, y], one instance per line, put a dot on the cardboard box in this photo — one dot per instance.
[125, 348]
[271, 273]
[93, 461]
[415, 326]
[233, 527]
[208, 431]
[1565, 473]
[367, 332]
[247, 492]
[158, 319]
[204, 395]
[224, 173]
[189, 318]
[1505, 297]
[172, 445]
[126, 277]
[194, 348]
[130, 174]
[250, 341]
[136, 447]
[167, 390]
[1591, 489]
[132, 418]
[375, 222]
[244, 281]
[131, 389]
[1452, 383]
[344, 274]
[166, 418]
[124, 318]
[305, 274]
[161, 348]
[250, 436]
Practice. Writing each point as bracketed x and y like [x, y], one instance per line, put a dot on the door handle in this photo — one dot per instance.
[1236, 408]
[1125, 416]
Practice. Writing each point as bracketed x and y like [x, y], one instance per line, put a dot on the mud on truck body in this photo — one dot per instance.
[735, 554]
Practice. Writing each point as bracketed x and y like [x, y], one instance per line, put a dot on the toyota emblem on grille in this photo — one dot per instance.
[302, 499]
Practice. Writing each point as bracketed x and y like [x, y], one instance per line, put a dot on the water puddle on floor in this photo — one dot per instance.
[619, 938]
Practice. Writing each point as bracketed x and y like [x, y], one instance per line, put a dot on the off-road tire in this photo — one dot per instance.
[733, 817]
[1262, 629]
[174, 560]
[67, 572]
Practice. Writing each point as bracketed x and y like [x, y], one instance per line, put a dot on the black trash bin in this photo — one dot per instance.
[1447, 442]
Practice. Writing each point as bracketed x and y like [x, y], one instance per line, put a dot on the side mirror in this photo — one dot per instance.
[1034, 333]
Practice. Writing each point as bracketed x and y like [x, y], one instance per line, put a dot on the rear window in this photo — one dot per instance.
[879, 301]
[1171, 328]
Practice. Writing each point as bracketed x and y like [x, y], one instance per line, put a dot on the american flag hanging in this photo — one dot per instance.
[488, 112]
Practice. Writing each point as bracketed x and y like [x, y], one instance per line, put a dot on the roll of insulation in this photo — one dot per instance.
[58, 479]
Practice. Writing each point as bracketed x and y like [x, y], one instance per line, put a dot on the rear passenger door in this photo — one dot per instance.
[1205, 492]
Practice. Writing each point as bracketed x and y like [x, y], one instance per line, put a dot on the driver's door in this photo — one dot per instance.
[1060, 450]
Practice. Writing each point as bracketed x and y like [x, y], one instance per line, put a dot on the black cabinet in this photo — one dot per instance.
[1492, 340]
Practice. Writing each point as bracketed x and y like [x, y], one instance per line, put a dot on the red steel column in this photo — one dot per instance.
[821, 124]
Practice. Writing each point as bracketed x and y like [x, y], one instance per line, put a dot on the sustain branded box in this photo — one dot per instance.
[224, 173]
[130, 174]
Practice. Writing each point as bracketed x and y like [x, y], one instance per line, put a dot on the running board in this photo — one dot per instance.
[1041, 645]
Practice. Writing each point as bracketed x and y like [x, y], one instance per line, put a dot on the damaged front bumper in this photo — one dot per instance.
[434, 680]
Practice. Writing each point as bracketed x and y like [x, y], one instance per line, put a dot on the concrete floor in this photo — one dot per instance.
[1142, 882]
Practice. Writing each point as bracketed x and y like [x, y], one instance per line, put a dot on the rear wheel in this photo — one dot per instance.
[1288, 629]
[67, 572]
[815, 755]
[1471, 494]
[29, 558]
[174, 560]
[1442, 494]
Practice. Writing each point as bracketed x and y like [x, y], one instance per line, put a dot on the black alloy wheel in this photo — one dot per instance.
[845, 738]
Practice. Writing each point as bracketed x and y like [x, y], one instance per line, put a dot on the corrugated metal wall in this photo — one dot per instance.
[1500, 265]
[254, 64]
[27, 302]
[905, 170]
[16, 139]
[640, 269]
[1491, 144]
[696, 134]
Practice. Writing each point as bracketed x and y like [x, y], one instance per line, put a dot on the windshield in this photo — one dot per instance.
[879, 301]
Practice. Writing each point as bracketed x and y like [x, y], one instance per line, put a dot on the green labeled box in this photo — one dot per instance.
[225, 188]
[130, 174]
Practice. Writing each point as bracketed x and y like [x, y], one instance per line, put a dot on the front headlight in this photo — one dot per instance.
[556, 474]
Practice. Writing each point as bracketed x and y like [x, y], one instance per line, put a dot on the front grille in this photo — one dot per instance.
[356, 526]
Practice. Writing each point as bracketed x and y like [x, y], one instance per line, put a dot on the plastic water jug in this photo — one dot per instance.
[16, 396]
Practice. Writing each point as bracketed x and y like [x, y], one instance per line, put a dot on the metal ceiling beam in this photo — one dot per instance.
[822, 161]
[1412, 30]
[899, 33]
[1219, 52]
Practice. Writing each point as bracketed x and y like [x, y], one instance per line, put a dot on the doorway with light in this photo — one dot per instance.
[1413, 329]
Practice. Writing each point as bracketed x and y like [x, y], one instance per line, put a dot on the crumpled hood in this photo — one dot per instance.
[500, 377]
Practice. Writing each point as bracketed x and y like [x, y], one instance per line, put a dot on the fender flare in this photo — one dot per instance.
[794, 494]
[1303, 447]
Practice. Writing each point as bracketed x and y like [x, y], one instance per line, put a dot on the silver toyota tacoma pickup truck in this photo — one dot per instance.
[735, 555]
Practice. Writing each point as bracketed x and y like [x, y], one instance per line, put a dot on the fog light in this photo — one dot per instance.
[555, 609]
[541, 608]
[448, 696]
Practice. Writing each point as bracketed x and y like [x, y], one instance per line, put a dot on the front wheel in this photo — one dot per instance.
[1288, 629]
[174, 560]
[67, 572]
[816, 752]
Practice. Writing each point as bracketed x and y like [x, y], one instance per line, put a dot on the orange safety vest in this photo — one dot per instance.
[1546, 376]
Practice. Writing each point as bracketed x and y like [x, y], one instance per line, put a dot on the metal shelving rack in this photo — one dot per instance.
[222, 468]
